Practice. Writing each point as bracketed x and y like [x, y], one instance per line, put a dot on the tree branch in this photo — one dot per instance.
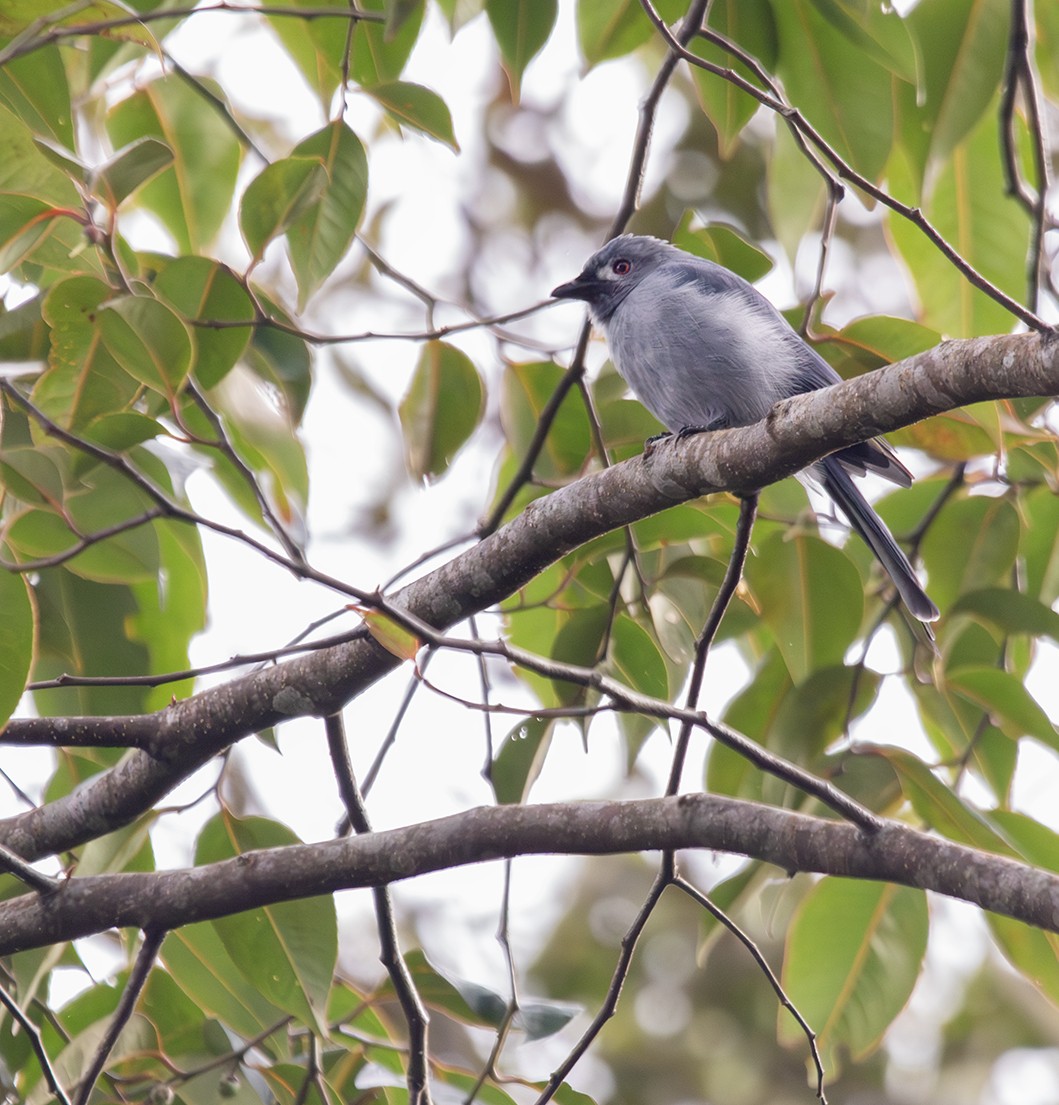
[798, 431]
[791, 841]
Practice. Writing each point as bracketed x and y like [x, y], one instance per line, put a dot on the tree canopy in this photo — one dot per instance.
[313, 517]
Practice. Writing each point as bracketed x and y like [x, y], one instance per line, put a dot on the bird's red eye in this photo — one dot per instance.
[621, 267]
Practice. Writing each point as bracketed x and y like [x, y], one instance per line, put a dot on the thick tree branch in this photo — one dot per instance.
[791, 841]
[798, 431]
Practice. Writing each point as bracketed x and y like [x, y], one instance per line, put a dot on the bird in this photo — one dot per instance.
[702, 349]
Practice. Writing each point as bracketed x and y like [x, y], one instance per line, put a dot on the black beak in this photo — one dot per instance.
[580, 288]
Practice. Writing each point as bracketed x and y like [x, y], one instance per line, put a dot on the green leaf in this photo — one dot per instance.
[287, 951]
[378, 55]
[939, 806]
[521, 28]
[1009, 610]
[206, 291]
[636, 658]
[971, 545]
[811, 597]
[83, 380]
[279, 195]
[970, 208]
[440, 410]
[320, 236]
[796, 193]
[23, 334]
[964, 42]
[724, 246]
[844, 93]
[749, 24]
[519, 760]
[1005, 699]
[131, 167]
[204, 150]
[540, 1020]
[877, 31]
[17, 637]
[282, 361]
[199, 963]
[24, 222]
[149, 340]
[526, 389]
[612, 28]
[35, 89]
[25, 170]
[417, 107]
[854, 952]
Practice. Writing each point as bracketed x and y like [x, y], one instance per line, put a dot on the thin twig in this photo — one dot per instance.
[141, 969]
[696, 895]
[733, 574]
[37, 1045]
[415, 1012]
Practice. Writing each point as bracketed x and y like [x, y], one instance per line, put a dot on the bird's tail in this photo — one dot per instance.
[838, 484]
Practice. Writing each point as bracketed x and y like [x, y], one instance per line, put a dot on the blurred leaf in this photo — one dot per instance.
[149, 340]
[519, 760]
[1010, 610]
[1033, 953]
[965, 42]
[540, 1020]
[440, 410]
[277, 197]
[1040, 543]
[417, 107]
[612, 28]
[83, 380]
[17, 638]
[636, 658]
[939, 806]
[526, 390]
[136, 164]
[796, 193]
[521, 28]
[1006, 700]
[379, 54]
[206, 291]
[34, 88]
[281, 360]
[204, 149]
[877, 31]
[790, 578]
[23, 334]
[322, 234]
[199, 963]
[846, 95]
[397, 640]
[749, 24]
[850, 939]
[969, 207]
[724, 246]
[971, 545]
[286, 951]
[24, 222]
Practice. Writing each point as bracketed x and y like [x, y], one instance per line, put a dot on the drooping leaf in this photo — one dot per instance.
[844, 94]
[519, 759]
[969, 207]
[286, 951]
[965, 42]
[278, 196]
[412, 105]
[131, 167]
[854, 952]
[440, 410]
[204, 149]
[320, 236]
[749, 24]
[790, 579]
[612, 28]
[521, 28]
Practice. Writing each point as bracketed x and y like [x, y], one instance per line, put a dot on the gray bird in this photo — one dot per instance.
[703, 350]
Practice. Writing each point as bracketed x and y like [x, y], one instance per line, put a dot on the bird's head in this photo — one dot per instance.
[612, 272]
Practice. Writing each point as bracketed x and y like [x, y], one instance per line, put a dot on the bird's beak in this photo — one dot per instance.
[580, 288]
